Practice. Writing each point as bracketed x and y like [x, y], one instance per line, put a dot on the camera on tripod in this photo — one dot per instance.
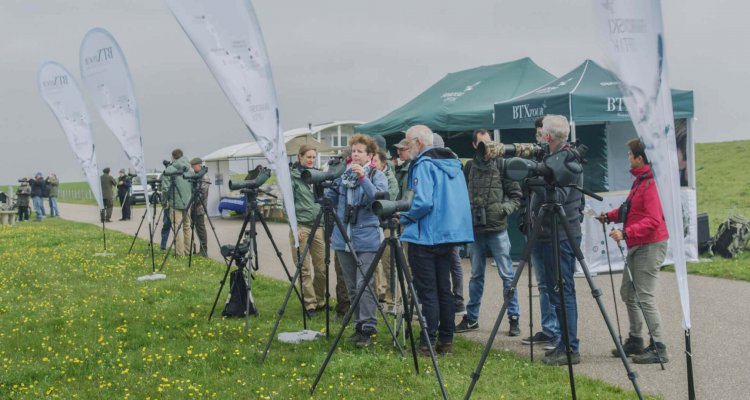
[386, 208]
[228, 250]
[526, 160]
[195, 176]
[260, 179]
[336, 167]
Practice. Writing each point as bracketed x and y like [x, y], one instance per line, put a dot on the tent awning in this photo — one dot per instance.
[589, 93]
[462, 100]
[293, 139]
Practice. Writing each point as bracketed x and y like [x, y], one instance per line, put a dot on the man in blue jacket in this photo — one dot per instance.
[438, 220]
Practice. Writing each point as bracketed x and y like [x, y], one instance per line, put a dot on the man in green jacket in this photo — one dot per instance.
[177, 191]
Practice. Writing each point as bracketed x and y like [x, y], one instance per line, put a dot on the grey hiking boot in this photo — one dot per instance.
[633, 346]
[652, 354]
[515, 330]
[559, 357]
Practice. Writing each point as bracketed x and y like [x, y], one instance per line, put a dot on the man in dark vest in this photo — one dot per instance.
[492, 198]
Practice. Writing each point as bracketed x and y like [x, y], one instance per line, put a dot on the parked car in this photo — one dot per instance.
[137, 189]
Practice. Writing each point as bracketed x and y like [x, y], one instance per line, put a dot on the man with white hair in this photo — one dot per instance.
[555, 131]
[439, 219]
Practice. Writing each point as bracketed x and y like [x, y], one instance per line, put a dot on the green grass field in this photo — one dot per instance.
[80, 326]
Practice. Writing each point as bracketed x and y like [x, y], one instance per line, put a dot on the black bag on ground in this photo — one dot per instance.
[237, 298]
[731, 237]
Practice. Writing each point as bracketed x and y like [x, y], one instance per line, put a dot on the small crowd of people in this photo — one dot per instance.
[32, 192]
[454, 205]
[182, 211]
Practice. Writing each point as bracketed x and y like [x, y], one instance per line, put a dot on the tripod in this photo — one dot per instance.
[403, 277]
[251, 215]
[200, 200]
[151, 229]
[326, 215]
[552, 208]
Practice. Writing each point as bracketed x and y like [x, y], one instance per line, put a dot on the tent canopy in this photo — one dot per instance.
[587, 94]
[293, 139]
[462, 100]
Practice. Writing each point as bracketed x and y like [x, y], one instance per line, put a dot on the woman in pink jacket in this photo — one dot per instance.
[645, 233]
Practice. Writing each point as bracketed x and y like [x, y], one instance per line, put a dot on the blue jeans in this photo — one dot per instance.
[567, 268]
[497, 245]
[165, 229]
[550, 325]
[53, 211]
[38, 207]
[431, 274]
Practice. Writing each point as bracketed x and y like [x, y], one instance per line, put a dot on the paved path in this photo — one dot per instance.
[720, 317]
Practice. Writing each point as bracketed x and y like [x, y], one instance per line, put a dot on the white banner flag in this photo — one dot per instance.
[107, 80]
[635, 41]
[228, 37]
[60, 91]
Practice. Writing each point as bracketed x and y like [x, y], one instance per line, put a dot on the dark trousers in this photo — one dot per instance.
[200, 231]
[124, 204]
[23, 213]
[107, 212]
[431, 273]
[567, 268]
[342, 296]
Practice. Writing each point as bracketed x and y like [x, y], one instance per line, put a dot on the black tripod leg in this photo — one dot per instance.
[401, 264]
[249, 264]
[354, 302]
[192, 237]
[612, 282]
[137, 232]
[349, 244]
[561, 288]
[280, 256]
[292, 285]
[400, 268]
[597, 294]
[488, 346]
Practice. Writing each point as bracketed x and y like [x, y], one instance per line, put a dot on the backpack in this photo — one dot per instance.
[731, 237]
[237, 299]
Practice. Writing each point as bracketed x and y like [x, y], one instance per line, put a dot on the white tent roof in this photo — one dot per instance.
[252, 150]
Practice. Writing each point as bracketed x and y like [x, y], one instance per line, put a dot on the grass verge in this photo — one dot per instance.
[80, 326]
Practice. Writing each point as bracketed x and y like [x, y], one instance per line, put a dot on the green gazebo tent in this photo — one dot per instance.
[589, 96]
[462, 100]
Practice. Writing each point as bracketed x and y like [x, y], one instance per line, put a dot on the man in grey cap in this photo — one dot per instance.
[198, 208]
[402, 171]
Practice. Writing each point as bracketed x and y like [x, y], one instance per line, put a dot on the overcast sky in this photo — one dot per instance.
[333, 60]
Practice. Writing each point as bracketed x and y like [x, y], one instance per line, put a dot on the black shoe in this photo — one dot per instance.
[514, 329]
[355, 337]
[466, 325]
[538, 338]
[652, 354]
[122, 219]
[311, 313]
[633, 346]
[363, 341]
[559, 357]
[323, 308]
[444, 348]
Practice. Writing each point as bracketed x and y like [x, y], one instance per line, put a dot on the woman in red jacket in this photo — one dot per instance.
[645, 233]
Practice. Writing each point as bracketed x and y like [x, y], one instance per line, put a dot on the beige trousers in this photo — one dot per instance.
[182, 237]
[313, 273]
